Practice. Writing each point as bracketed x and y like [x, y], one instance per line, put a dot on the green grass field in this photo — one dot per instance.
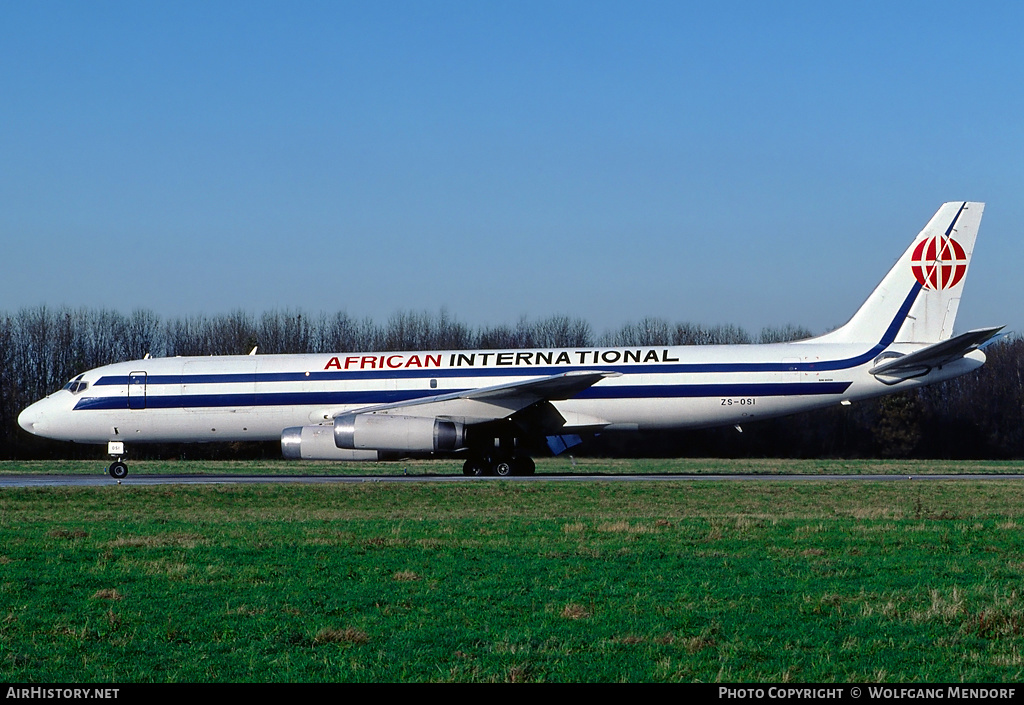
[512, 581]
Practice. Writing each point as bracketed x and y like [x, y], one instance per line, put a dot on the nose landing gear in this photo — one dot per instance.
[118, 469]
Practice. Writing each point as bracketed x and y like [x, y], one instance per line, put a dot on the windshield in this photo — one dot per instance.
[77, 386]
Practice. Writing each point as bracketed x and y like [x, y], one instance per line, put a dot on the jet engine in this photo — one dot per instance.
[409, 434]
[317, 443]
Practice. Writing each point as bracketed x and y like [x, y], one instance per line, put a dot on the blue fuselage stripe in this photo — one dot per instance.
[366, 398]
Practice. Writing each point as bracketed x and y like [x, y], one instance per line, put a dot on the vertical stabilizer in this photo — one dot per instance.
[918, 299]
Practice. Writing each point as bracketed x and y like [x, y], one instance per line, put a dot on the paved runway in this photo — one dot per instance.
[106, 480]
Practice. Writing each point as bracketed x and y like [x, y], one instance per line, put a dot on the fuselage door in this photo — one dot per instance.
[137, 390]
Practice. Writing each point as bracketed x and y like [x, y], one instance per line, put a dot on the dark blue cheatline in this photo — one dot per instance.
[367, 398]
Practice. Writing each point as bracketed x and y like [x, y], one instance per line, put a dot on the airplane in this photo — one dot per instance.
[494, 407]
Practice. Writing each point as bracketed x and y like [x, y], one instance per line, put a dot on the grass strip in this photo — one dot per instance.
[548, 582]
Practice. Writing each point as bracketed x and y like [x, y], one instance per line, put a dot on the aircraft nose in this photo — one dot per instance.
[31, 418]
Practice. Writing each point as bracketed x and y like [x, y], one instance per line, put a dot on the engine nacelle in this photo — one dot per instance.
[407, 434]
[317, 443]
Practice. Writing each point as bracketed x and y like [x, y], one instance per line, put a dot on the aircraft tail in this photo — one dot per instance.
[919, 297]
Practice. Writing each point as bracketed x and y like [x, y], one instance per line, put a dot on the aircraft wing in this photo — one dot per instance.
[935, 355]
[492, 403]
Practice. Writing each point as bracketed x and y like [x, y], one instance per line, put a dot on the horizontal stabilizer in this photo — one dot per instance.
[936, 355]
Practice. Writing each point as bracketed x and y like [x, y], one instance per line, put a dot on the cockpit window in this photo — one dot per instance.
[77, 386]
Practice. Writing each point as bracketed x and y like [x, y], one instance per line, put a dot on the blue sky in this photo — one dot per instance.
[743, 163]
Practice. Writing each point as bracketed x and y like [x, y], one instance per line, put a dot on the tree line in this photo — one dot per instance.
[980, 415]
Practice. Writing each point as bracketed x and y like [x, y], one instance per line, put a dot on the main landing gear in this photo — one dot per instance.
[501, 465]
[494, 450]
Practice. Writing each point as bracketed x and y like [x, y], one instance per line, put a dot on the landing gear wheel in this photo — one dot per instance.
[503, 467]
[474, 467]
[118, 470]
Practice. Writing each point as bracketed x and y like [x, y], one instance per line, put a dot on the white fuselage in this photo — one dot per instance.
[253, 398]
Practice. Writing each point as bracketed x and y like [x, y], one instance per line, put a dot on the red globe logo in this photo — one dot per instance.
[939, 262]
